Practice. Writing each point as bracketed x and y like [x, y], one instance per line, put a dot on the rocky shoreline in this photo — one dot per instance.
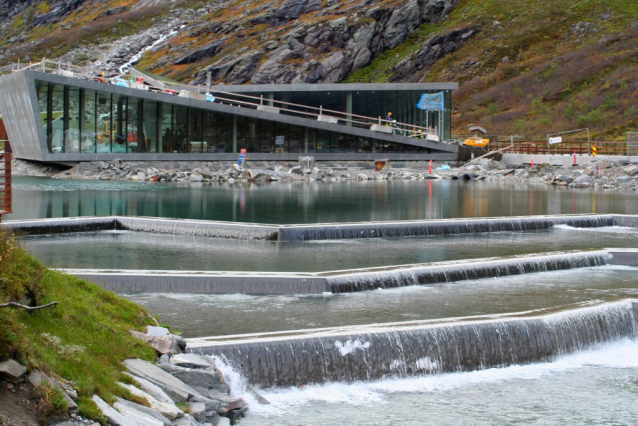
[603, 174]
[181, 389]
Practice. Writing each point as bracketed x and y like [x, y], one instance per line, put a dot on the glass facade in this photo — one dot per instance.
[78, 120]
[371, 103]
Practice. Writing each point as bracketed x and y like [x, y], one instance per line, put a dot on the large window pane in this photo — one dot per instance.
[103, 122]
[88, 122]
[241, 132]
[151, 126]
[267, 138]
[225, 143]
[210, 131]
[168, 129]
[57, 119]
[252, 135]
[323, 141]
[72, 132]
[281, 137]
[118, 124]
[134, 136]
[295, 138]
[195, 139]
[180, 115]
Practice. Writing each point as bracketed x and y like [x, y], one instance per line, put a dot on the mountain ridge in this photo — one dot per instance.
[525, 67]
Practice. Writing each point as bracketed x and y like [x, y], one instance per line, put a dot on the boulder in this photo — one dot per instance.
[163, 345]
[603, 163]
[12, 370]
[631, 170]
[563, 178]
[143, 415]
[218, 404]
[187, 420]
[152, 330]
[190, 360]
[36, 378]
[197, 377]
[167, 409]
[582, 180]
[153, 390]
[112, 415]
[175, 388]
[198, 411]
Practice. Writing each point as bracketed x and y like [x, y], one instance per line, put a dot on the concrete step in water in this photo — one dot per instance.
[328, 282]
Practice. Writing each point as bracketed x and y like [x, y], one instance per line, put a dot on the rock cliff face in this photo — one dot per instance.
[290, 41]
[323, 50]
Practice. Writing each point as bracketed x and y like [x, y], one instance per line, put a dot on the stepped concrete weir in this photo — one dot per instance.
[311, 232]
[414, 349]
[265, 283]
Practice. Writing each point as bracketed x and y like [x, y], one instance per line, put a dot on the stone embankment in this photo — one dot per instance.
[181, 389]
[604, 174]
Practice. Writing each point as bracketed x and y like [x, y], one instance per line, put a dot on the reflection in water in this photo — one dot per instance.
[313, 202]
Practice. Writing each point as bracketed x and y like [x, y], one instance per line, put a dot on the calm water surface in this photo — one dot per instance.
[134, 250]
[316, 202]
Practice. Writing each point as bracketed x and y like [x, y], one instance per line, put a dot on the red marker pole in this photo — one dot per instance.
[574, 158]
[430, 168]
[532, 165]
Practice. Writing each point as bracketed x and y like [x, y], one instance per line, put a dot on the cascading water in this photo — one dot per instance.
[62, 225]
[125, 67]
[382, 352]
[349, 281]
[436, 227]
[338, 230]
[199, 228]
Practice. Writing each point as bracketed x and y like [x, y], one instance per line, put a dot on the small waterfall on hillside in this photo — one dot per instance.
[436, 227]
[136, 57]
[199, 227]
[350, 281]
[385, 352]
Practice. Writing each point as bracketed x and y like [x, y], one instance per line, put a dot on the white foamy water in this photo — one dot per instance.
[612, 229]
[464, 388]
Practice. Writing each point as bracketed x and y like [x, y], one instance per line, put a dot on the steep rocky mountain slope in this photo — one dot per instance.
[528, 67]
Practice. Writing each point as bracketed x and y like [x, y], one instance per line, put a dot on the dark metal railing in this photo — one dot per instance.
[5, 179]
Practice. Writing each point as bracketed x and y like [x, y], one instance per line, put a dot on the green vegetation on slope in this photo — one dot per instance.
[536, 66]
[82, 340]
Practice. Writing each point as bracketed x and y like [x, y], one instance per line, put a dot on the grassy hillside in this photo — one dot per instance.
[536, 66]
[81, 341]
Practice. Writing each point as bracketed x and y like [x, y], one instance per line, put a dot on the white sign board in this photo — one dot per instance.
[557, 139]
[279, 140]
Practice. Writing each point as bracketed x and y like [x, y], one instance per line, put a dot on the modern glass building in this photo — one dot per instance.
[57, 118]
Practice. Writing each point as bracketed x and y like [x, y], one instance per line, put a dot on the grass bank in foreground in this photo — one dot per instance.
[81, 341]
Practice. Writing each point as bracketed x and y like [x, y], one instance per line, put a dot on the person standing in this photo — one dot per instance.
[242, 157]
[388, 118]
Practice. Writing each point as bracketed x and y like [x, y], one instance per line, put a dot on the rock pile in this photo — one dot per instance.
[604, 174]
[192, 381]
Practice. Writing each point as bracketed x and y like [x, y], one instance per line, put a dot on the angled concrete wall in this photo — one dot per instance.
[21, 116]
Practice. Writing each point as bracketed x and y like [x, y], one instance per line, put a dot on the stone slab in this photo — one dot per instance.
[12, 370]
